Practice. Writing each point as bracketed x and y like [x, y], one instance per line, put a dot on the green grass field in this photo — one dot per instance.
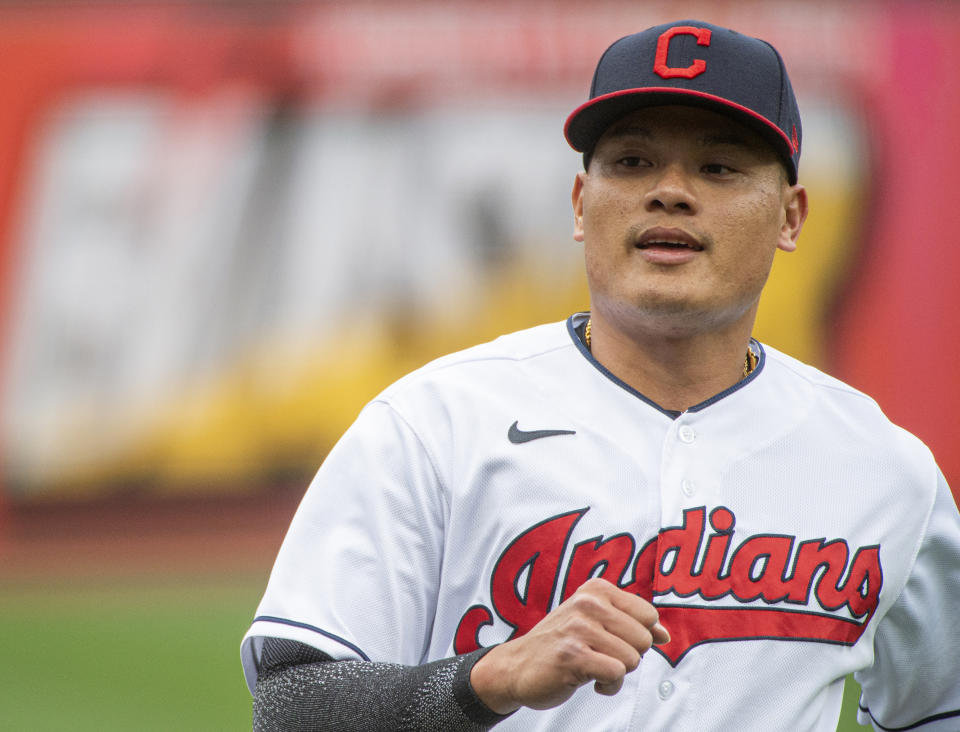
[137, 657]
[162, 656]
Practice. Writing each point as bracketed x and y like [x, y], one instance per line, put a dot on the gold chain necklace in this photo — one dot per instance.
[749, 360]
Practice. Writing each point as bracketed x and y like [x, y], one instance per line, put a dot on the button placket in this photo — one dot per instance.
[680, 476]
[665, 689]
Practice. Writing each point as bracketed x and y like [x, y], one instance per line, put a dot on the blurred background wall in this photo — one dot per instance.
[224, 226]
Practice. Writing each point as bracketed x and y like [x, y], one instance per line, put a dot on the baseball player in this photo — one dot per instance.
[640, 518]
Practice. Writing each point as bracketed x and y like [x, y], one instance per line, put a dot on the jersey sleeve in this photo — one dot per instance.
[356, 576]
[914, 682]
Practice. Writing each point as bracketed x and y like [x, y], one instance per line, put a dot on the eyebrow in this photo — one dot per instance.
[724, 138]
[628, 131]
[711, 139]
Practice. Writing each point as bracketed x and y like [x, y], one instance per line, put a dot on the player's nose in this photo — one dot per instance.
[671, 191]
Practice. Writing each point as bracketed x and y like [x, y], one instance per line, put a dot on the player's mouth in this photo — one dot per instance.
[661, 245]
[668, 238]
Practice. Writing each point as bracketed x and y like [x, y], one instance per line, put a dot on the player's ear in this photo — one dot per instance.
[795, 213]
[577, 199]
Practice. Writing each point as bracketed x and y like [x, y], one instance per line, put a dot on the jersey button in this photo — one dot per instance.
[665, 690]
[688, 487]
[687, 434]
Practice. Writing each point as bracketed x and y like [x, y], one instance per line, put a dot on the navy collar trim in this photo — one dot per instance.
[576, 335]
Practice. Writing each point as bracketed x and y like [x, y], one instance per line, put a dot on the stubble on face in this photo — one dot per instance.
[693, 172]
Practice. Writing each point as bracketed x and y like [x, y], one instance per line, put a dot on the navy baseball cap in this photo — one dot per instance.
[695, 64]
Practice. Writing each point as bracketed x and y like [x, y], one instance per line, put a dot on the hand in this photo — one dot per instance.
[599, 634]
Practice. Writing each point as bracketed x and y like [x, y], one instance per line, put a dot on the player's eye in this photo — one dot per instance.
[717, 169]
[631, 161]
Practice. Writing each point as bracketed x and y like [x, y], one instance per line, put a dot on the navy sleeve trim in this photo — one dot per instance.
[314, 629]
[915, 725]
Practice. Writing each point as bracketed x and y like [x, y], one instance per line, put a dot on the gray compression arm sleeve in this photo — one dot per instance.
[301, 688]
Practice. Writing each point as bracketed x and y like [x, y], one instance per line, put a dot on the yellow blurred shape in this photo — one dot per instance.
[804, 284]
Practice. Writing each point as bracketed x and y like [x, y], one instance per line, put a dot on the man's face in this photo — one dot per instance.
[680, 214]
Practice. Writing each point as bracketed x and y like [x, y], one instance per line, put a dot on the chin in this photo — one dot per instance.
[678, 317]
[672, 305]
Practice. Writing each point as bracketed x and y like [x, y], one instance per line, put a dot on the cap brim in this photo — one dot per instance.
[590, 120]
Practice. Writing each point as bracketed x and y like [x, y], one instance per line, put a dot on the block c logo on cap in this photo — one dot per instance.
[663, 47]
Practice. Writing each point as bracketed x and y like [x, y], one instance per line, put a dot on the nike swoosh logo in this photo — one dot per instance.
[518, 436]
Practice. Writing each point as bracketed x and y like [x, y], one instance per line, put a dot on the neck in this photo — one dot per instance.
[676, 372]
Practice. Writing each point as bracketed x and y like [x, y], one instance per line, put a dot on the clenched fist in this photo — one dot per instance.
[599, 634]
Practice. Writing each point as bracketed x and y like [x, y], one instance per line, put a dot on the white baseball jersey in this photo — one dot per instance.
[788, 533]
